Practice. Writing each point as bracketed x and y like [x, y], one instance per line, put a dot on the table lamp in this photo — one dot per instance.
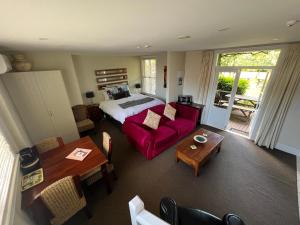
[91, 95]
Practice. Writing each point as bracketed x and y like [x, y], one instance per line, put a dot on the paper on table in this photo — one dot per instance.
[32, 179]
[79, 154]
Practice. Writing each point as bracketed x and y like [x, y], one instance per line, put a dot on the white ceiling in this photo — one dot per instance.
[118, 26]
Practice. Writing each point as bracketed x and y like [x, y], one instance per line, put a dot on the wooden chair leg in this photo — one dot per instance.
[88, 212]
[106, 178]
[114, 175]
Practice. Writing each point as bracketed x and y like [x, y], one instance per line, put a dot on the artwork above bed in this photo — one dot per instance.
[109, 77]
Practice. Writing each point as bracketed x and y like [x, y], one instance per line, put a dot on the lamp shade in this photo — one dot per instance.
[137, 85]
[89, 94]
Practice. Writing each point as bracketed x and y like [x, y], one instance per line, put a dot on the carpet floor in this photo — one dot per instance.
[258, 185]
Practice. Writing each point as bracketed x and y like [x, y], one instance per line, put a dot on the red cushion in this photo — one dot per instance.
[163, 136]
[159, 109]
[181, 125]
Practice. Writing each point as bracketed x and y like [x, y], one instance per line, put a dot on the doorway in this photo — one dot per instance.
[240, 80]
[247, 99]
[220, 109]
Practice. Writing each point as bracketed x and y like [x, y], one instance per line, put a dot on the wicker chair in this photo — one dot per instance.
[49, 144]
[63, 199]
[96, 174]
[81, 117]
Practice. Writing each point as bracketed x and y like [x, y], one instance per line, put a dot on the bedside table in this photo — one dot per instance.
[94, 112]
[196, 106]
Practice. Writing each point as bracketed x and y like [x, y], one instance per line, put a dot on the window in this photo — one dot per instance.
[249, 58]
[149, 76]
[7, 159]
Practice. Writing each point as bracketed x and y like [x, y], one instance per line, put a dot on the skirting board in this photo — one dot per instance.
[288, 149]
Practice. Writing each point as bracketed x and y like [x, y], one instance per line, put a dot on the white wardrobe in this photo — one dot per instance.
[41, 100]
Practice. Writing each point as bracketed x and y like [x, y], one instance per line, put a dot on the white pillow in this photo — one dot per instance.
[170, 112]
[152, 120]
[105, 95]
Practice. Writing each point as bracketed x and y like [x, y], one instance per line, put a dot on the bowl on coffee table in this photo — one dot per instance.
[199, 139]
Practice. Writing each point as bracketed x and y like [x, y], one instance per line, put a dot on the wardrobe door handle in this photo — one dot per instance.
[50, 113]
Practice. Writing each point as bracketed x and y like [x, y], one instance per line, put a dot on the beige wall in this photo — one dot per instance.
[85, 66]
[58, 61]
[176, 64]
[289, 139]
[160, 63]
[192, 77]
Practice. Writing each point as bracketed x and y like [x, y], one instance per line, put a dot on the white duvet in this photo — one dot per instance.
[112, 108]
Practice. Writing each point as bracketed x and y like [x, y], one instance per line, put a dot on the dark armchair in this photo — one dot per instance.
[81, 117]
[177, 215]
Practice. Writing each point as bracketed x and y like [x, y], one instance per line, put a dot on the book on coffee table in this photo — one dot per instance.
[79, 154]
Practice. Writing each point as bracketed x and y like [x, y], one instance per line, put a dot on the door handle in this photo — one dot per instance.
[50, 113]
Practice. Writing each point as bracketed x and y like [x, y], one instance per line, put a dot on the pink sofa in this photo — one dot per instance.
[152, 142]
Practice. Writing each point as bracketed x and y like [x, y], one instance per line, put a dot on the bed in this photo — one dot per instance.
[122, 108]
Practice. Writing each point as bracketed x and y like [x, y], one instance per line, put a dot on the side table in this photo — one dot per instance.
[94, 112]
[196, 106]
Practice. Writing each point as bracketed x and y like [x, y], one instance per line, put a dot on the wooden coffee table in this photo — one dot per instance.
[198, 157]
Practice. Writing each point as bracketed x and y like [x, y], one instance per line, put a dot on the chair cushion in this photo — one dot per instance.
[47, 144]
[96, 174]
[84, 125]
[163, 136]
[170, 112]
[152, 120]
[181, 126]
[80, 112]
[189, 216]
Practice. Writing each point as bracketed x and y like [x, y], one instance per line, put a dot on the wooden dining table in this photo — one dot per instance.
[56, 166]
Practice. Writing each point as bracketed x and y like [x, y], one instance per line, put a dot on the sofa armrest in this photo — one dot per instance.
[188, 112]
[135, 132]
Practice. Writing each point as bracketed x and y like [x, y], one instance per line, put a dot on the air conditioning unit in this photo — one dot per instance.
[5, 65]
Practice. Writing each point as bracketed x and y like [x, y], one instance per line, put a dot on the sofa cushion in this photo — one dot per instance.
[181, 125]
[85, 125]
[159, 109]
[170, 112]
[152, 120]
[140, 117]
[163, 135]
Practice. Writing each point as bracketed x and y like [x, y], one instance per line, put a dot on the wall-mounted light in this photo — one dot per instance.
[291, 23]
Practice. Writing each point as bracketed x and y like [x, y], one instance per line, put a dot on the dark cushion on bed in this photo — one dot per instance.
[120, 94]
[117, 91]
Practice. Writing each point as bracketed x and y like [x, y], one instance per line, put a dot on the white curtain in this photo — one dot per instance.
[14, 130]
[206, 65]
[278, 96]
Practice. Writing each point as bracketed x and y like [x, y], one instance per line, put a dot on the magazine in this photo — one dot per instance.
[34, 178]
[79, 154]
